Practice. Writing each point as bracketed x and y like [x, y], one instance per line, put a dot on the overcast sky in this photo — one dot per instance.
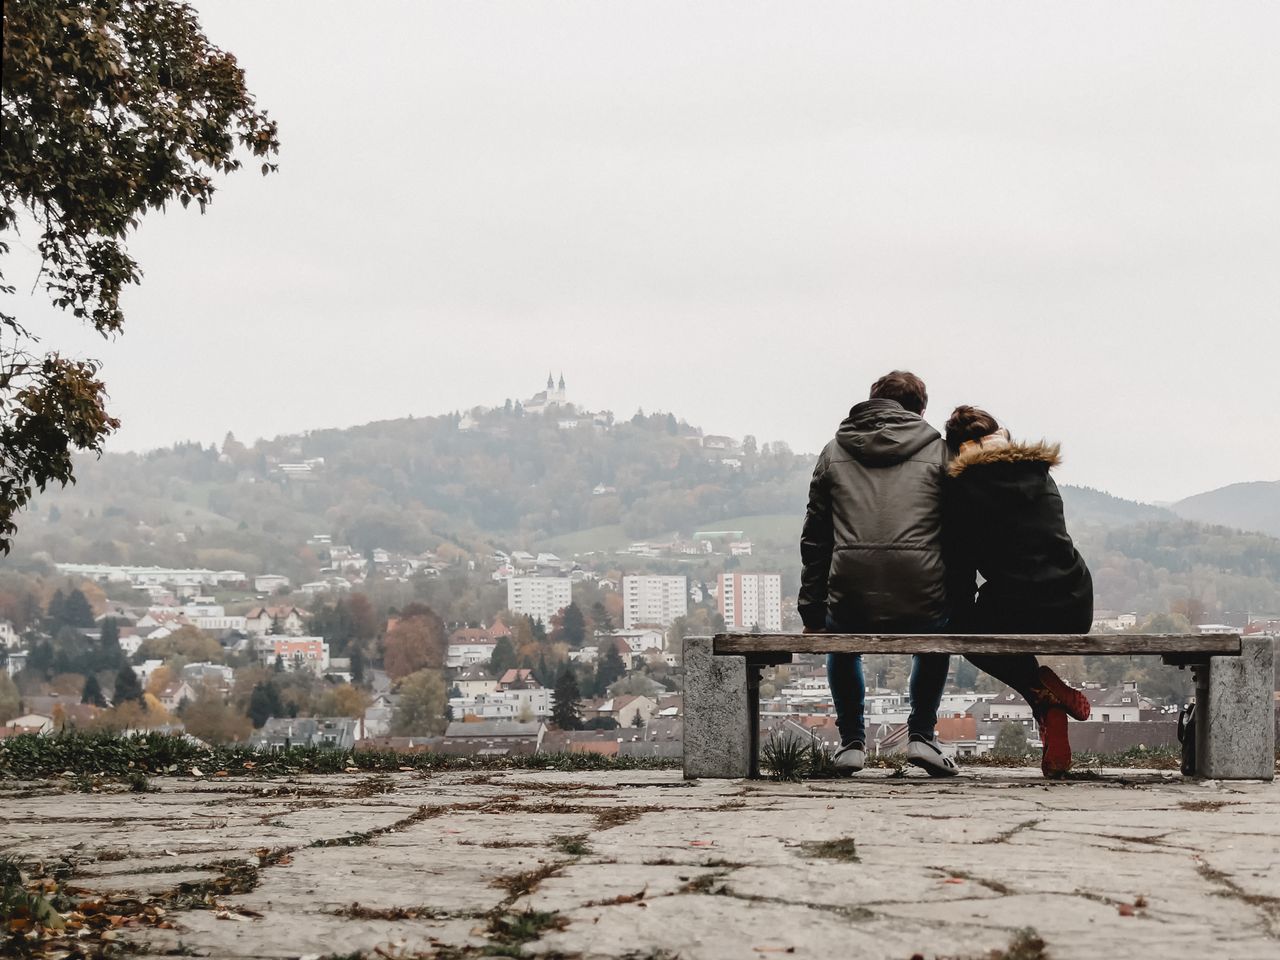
[742, 213]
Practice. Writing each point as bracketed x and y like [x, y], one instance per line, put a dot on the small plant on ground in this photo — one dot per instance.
[575, 845]
[841, 849]
[786, 758]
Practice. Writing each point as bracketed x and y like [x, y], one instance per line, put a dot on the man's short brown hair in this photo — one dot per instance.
[905, 387]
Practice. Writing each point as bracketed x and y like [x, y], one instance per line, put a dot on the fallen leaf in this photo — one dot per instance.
[195, 772]
[221, 773]
[1140, 902]
[953, 880]
[1125, 910]
[702, 843]
[774, 949]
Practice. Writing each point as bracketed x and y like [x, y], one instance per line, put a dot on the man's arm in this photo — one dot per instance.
[816, 542]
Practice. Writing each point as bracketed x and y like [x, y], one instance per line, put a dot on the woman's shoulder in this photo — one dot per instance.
[1042, 453]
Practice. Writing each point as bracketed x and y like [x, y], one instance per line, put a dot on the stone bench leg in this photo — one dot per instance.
[717, 723]
[1235, 714]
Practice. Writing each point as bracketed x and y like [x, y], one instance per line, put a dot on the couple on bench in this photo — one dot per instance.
[900, 523]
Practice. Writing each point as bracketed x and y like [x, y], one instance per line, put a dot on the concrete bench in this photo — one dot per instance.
[1234, 676]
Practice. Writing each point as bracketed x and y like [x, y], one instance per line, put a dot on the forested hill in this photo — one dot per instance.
[464, 484]
[1245, 506]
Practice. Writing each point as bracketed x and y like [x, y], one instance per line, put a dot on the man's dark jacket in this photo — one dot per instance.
[1004, 520]
[872, 541]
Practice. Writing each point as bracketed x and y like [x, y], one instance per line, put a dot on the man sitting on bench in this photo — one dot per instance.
[872, 555]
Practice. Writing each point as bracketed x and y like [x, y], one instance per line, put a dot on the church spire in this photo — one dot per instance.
[551, 384]
[562, 381]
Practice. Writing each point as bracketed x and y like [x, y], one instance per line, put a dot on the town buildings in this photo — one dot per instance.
[750, 601]
[653, 600]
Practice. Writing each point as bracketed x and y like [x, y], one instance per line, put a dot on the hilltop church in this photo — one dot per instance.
[553, 396]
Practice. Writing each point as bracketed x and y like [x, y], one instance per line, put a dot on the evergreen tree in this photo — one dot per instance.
[110, 636]
[127, 687]
[567, 712]
[278, 666]
[1011, 741]
[357, 663]
[92, 692]
[637, 721]
[264, 703]
[57, 609]
[574, 626]
[609, 668]
[503, 658]
[539, 629]
[77, 612]
[541, 673]
[600, 618]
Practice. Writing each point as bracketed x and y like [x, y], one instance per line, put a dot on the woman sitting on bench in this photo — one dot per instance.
[1004, 520]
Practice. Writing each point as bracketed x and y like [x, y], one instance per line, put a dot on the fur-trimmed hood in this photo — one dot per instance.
[975, 454]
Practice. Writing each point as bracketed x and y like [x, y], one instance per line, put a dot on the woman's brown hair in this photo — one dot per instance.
[969, 423]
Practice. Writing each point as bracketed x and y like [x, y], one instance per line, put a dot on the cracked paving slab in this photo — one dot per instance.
[642, 864]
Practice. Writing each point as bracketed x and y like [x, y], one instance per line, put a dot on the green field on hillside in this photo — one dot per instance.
[773, 528]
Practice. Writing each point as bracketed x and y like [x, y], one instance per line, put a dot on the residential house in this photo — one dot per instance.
[270, 582]
[468, 646]
[288, 620]
[602, 742]
[475, 680]
[1119, 704]
[1117, 737]
[31, 723]
[334, 733]
[622, 709]
[296, 653]
[8, 635]
[492, 739]
[174, 693]
[199, 674]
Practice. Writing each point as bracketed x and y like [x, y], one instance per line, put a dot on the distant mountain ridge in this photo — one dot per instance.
[1243, 506]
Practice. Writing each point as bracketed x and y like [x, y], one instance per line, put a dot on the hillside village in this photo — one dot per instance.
[378, 628]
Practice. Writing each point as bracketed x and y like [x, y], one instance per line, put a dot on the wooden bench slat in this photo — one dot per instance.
[1051, 644]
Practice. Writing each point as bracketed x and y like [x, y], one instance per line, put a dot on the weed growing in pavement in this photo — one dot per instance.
[842, 849]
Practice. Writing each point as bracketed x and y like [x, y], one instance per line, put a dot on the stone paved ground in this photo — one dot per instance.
[645, 865]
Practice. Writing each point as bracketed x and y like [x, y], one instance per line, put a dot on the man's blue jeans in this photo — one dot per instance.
[849, 688]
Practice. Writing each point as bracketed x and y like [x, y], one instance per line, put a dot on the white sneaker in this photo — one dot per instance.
[927, 755]
[849, 759]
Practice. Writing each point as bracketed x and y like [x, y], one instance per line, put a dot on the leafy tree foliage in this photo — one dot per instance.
[111, 108]
[420, 710]
[567, 712]
[417, 641]
[210, 718]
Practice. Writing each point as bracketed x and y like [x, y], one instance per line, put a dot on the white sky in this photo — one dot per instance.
[740, 212]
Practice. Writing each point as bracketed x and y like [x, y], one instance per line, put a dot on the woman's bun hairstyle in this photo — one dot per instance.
[969, 423]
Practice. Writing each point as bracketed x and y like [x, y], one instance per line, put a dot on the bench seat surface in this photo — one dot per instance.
[1051, 644]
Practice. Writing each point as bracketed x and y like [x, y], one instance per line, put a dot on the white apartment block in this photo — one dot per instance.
[653, 601]
[539, 597]
[751, 601]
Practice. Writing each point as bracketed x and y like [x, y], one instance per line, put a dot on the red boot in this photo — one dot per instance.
[1069, 698]
[1055, 760]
